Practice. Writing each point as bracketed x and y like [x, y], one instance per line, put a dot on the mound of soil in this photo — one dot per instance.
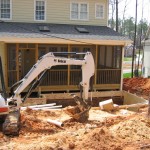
[140, 86]
[134, 129]
[100, 139]
[103, 131]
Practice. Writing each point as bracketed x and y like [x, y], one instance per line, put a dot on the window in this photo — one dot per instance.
[99, 11]
[5, 9]
[40, 6]
[79, 11]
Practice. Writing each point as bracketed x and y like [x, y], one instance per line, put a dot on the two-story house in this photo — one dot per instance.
[32, 28]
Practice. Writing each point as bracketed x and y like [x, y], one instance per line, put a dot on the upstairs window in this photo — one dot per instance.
[5, 9]
[79, 11]
[40, 6]
[99, 11]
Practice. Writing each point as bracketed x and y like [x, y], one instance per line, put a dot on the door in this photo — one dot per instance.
[26, 61]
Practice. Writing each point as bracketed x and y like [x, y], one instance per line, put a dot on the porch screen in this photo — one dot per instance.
[109, 65]
[11, 61]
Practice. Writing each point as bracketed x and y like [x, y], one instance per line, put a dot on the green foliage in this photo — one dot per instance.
[127, 75]
[127, 27]
[127, 58]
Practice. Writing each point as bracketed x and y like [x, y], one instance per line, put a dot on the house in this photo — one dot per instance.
[32, 28]
[146, 50]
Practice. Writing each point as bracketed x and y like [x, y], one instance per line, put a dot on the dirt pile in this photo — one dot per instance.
[140, 86]
[40, 113]
[104, 131]
[133, 129]
[100, 139]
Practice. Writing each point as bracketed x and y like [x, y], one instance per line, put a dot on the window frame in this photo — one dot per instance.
[101, 4]
[35, 10]
[79, 11]
[10, 12]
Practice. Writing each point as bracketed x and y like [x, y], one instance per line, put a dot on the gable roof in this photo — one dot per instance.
[59, 31]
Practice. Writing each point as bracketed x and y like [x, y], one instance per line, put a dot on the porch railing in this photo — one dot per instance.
[56, 77]
[108, 76]
[74, 77]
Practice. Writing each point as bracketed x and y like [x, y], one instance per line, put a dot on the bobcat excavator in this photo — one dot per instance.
[10, 107]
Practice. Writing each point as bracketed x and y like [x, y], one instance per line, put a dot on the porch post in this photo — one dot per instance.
[17, 60]
[96, 59]
[36, 59]
[69, 49]
[121, 83]
[36, 52]
[3, 53]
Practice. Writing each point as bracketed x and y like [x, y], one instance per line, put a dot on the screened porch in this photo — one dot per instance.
[108, 63]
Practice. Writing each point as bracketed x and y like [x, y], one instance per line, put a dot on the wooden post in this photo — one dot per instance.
[105, 56]
[17, 60]
[6, 65]
[96, 59]
[69, 49]
[36, 52]
[121, 82]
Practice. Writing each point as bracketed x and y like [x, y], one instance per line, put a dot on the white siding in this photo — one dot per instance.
[146, 60]
[57, 11]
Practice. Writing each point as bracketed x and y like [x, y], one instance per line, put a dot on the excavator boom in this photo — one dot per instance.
[36, 73]
[49, 60]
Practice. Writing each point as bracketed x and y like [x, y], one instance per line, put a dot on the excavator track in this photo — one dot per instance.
[11, 125]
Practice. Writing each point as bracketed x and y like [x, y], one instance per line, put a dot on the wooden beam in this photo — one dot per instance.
[36, 52]
[69, 50]
[105, 56]
[17, 60]
[122, 56]
[6, 66]
[96, 62]
[66, 96]
[62, 41]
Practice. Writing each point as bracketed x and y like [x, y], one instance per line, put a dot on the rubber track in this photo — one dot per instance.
[11, 126]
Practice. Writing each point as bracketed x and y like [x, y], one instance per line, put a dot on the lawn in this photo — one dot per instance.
[127, 75]
[127, 58]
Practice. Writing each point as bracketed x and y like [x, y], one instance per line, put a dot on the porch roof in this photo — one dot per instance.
[13, 32]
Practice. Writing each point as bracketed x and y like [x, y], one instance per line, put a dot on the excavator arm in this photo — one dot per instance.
[49, 60]
[79, 113]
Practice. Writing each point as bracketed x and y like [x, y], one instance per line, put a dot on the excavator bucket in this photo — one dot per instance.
[75, 113]
[80, 112]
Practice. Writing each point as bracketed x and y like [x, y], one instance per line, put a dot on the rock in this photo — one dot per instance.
[71, 145]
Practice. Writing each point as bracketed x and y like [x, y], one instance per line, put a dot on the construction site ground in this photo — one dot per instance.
[118, 130]
[115, 130]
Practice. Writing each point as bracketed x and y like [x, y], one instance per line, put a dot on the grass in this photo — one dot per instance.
[127, 58]
[128, 75]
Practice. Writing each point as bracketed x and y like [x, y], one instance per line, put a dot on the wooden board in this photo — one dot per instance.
[66, 96]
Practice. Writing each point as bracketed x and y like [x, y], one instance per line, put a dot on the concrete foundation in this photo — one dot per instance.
[65, 99]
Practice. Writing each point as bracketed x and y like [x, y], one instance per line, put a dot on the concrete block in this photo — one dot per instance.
[107, 105]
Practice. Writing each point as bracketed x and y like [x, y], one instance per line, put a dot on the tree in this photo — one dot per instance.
[111, 21]
[129, 27]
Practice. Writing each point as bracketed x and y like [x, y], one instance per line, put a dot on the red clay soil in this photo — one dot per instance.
[114, 131]
[140, 86]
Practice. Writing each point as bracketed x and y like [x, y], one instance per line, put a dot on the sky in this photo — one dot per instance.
[130, 9]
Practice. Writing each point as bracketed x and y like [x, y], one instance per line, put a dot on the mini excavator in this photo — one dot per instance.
[10, 107]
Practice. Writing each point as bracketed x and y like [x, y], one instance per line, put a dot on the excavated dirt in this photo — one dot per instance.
[140, 86]
[121, 130]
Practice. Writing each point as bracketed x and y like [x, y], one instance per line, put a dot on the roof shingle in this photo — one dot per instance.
[31, 30]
